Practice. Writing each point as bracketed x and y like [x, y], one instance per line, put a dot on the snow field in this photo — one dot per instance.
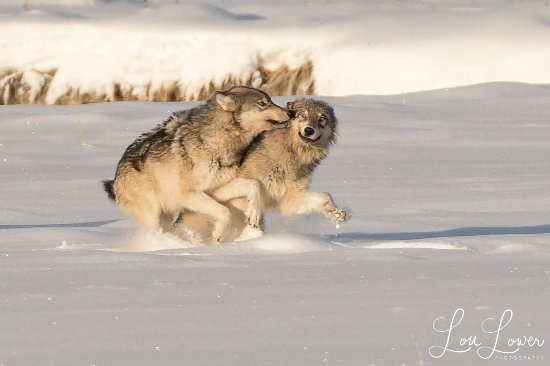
[449, 195]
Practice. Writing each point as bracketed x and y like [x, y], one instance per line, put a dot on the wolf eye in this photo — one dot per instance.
[262, 104]
[323, 119]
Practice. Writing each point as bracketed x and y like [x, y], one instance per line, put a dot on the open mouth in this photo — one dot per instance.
[307, 139]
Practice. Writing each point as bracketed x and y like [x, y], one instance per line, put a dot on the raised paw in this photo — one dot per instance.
[338, 216]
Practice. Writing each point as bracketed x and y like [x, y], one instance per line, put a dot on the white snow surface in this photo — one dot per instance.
[357, 47]
[448, 191]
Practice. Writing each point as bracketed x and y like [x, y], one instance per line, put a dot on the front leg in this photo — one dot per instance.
[242, 187]
[307, 202]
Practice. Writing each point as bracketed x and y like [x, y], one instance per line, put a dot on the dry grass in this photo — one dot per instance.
[285, 81]
[15, 87]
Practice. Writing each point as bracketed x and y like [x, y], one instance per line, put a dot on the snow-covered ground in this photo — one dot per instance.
[451, 210]
[355, 46]
[448, 189]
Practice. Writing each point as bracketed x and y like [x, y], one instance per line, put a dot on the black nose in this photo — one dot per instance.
[308, 131]
[291, 113]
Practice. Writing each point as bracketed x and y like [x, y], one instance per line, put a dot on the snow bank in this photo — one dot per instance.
[118, 50]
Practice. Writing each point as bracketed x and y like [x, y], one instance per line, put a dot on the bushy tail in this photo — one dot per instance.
[108, 186]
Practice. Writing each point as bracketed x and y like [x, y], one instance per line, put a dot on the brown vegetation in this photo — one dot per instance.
[31, 87]
[24, 87]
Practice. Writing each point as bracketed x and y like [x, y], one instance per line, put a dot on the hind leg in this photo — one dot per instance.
[134, 198]
[196, 227]
[146, 217]
[202, 203]
[166, 221]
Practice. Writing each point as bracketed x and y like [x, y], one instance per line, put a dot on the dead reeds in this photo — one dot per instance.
[31, 87]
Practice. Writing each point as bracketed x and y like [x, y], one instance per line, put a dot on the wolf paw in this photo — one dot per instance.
[253, 218]
[220, 229]
[338, 216]
[253, 211]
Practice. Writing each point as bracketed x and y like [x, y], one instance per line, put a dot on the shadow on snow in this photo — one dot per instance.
[465, 231]
[73, 225]
[354, 236]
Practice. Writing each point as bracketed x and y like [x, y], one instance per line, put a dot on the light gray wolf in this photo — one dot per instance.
[177, 165]
[283, 161]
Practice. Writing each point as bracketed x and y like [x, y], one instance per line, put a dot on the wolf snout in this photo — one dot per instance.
[308, 131]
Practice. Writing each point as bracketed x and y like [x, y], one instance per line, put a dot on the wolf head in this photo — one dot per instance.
[313, 121]
[252, 109]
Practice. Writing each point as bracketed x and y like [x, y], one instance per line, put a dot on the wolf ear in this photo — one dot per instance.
[290, 105]
[226, 102]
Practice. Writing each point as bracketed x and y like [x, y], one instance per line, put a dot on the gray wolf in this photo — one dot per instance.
[283, 161]
[177, 165]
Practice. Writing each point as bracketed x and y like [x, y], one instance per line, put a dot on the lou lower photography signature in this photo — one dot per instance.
[492, 329]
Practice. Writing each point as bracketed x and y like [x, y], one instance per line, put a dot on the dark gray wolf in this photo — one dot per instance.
[180, 163]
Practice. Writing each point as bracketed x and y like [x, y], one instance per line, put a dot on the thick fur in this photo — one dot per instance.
[177, 165]
[282, 161]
